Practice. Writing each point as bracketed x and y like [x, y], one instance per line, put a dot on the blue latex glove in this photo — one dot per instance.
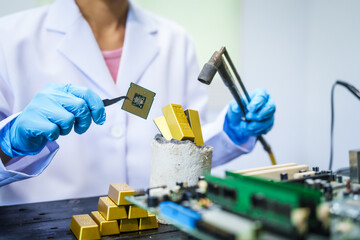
[52, 112]
[260, 117]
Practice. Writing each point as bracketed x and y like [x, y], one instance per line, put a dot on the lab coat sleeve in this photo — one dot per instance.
[23, 167]
[224, 149]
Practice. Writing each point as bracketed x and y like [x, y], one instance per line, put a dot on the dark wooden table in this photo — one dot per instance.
[51, 220]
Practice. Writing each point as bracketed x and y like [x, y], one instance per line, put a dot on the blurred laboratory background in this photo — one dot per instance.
[296, 49]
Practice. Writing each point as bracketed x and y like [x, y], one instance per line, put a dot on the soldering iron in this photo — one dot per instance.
[218, 64]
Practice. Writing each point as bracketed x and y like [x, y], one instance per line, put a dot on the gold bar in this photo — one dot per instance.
[149, 222]
[106, 227]
[117, 192]
[128, 225]
[109, 210]
[136, 212]
[84, 227]
[164, 129]
[194, 121]
[179, 126]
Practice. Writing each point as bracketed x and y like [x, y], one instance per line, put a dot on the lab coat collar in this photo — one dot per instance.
[62, 14]
[140, 46]
[80, 47]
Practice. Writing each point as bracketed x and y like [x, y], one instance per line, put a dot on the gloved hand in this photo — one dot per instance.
[52, 112]
[260, 117]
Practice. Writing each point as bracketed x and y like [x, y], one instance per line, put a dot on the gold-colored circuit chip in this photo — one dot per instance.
[139, 102]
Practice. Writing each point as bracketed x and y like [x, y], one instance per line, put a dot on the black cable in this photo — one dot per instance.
[356, 93]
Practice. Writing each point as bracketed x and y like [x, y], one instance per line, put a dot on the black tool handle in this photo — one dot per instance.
[108, 102]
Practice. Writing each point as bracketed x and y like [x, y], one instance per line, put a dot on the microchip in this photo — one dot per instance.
[139, 102]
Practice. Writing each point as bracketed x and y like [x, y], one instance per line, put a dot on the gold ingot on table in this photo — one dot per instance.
[178, 124]
[106, 227]
[129, 225]
[118, 192]
[109, 210]
[84, 227]
[194, 121]
[149, 222]
[163, 127]
[136, 212]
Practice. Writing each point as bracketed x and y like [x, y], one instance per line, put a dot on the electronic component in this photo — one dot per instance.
[274, 203]
[84, 227]
[275, 173]
[314, 206]
[180, 214]
[345, 217]
[109, 210]
[105, 227]
[194, 121]
[354, 157]
[226, 225]
[139, 100]
[178, 124]
[266, 168]
[118, 192]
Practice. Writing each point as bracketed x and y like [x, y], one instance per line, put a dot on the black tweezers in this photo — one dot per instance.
[108, 102]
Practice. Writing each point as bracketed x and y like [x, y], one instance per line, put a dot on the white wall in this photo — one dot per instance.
[296, 49]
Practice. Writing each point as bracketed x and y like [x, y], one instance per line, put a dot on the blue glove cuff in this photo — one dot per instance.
[5, 143]
[238, 138]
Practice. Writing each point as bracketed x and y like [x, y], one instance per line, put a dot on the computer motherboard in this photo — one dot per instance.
[255, 204]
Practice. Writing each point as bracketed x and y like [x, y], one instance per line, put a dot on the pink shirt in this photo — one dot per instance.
[112, 60]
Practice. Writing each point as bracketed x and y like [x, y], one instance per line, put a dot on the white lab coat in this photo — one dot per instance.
[54, 43]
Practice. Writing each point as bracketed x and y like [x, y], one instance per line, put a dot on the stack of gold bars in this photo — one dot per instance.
[115, 215]
[179, 124]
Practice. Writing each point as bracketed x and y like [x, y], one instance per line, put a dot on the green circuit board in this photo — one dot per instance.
[274, 203]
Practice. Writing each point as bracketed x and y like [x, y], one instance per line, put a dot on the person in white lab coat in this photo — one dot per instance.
[62, 43]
